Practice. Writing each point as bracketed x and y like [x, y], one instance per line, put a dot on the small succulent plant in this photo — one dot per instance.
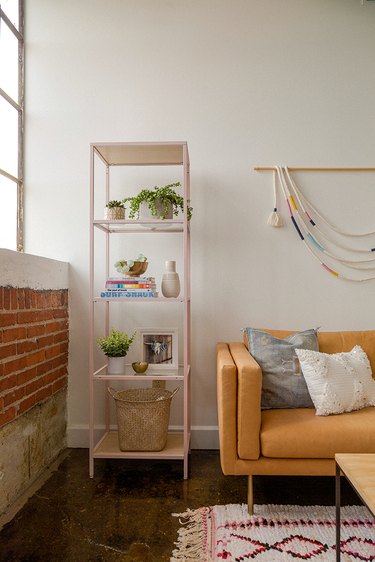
[113, 204]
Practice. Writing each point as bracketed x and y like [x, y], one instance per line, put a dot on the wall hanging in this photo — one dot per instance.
[316, 231]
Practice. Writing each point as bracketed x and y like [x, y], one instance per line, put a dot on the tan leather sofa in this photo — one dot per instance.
[284, 441]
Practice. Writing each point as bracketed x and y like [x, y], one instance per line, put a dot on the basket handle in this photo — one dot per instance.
[174, 392]
[112, 392]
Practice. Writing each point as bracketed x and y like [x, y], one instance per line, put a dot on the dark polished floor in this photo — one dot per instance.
[124, 513]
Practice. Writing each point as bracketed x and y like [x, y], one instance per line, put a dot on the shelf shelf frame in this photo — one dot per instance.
[138, 154]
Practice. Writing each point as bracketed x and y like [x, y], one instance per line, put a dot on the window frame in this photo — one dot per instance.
[19, 106]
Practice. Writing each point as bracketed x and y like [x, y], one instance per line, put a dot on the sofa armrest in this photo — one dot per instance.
[227, 407]
[248, 402]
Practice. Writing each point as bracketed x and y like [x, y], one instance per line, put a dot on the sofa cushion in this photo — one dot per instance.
[283, 385]
[335, 342]
[338, 382]
[299, 433]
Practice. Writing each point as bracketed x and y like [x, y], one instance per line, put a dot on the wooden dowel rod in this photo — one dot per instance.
[270, 168]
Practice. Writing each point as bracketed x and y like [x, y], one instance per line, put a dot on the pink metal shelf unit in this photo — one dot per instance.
[137, 154]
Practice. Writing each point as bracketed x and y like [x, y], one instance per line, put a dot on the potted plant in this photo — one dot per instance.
[159, 202]
[116, 346]
[114, 210]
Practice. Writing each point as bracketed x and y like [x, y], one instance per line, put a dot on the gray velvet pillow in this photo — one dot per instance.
[283, 384]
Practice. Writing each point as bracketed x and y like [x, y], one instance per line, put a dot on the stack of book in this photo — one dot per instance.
[130, 287]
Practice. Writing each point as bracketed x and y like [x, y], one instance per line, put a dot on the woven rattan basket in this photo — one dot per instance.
[142, 418]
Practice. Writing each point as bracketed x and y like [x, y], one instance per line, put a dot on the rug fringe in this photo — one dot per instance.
[192, 537]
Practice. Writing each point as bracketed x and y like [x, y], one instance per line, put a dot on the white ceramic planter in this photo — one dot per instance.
[145, 213]
[116, 365]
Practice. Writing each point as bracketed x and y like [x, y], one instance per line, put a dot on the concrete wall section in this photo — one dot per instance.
[34, 339]
[28, 445]
[35, 272]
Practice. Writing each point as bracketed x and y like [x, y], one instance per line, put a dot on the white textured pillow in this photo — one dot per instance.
[338, 382]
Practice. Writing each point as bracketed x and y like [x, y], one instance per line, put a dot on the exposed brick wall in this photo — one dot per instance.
[33, 348]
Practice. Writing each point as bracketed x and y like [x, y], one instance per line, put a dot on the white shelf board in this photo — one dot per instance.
[146, 226]
[136, 378]
[142, 153]
[108, 448]
[101, 374]
[138, 299]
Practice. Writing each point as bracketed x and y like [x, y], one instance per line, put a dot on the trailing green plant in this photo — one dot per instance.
[166, 195]
[116, 344]
[113, 204]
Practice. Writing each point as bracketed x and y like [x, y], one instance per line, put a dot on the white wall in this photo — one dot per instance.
[246, 83]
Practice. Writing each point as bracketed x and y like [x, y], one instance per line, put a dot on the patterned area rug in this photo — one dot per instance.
[275, 533]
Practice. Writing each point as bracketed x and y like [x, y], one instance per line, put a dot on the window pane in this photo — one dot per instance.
[8, 137]
[10, 7]
[10, 68]
[8, 61]
[8, 214]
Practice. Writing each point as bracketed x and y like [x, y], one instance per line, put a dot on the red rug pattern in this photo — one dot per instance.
[275, 533]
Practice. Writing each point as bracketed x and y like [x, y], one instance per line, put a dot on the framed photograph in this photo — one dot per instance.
[159, 348]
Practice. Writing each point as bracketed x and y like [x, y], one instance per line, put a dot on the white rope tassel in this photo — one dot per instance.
[275, 219]
[192, 537]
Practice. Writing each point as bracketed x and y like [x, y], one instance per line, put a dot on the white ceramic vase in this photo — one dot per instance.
[116, 365]
[170, 284]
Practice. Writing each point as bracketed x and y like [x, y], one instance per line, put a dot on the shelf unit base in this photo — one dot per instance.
[108, 448]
